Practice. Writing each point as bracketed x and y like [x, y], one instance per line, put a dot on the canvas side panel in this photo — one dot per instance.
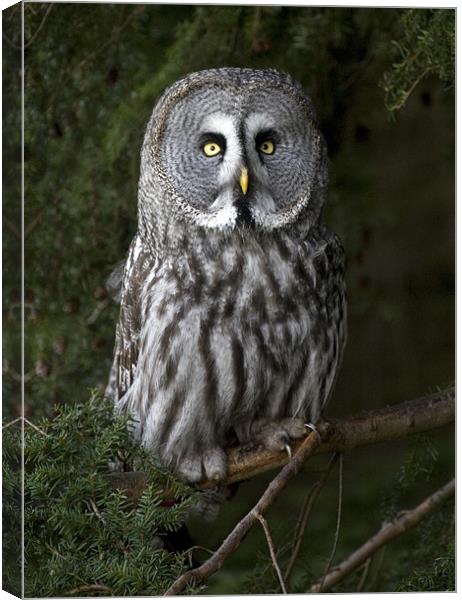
[11, 338]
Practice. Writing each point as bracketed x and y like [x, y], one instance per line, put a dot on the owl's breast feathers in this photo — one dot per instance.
[248, 328]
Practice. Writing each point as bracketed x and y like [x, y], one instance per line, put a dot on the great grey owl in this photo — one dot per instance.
[232, 320]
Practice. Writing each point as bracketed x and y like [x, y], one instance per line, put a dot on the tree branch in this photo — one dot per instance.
[404, 522]
[339, 519]
[381, 425]
[305, 512]
[272, 552]
[364, 575]
[210, 566]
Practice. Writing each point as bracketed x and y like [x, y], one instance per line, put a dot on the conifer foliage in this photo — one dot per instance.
[81, 536]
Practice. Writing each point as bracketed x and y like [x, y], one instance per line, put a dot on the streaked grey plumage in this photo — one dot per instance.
[233, 312]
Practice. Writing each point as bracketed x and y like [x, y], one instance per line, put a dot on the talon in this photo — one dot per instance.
[311, 426]
[288, 450]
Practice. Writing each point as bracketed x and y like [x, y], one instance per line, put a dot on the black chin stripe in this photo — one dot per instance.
[244, 215]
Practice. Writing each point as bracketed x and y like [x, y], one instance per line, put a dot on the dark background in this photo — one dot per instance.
[381, 80]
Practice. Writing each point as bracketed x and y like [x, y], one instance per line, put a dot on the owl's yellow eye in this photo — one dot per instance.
[267, 147]
[211, 149]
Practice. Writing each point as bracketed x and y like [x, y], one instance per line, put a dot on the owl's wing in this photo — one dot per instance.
[114, 282]
[330, 273]
[138, 264]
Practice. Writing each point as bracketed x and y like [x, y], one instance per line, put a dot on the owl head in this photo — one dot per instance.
[233, 149]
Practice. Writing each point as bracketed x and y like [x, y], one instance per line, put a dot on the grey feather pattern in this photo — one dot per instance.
[223, 323]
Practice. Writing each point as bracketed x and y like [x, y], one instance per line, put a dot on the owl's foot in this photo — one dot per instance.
[278, 435]
[311, 427]
[211, 464]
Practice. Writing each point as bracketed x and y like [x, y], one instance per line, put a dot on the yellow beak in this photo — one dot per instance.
[244, 180]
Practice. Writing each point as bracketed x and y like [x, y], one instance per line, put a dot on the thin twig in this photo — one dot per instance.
[36, 428]
[404, 522]
[15, 376]
[33, 224]
[377, 567]
[190, 551]
[11, 226]
[300, 527]
[98, 310]
[269, 540]
[54, 551]
[42, 23]
[210, 566]
[9, 19]
[339, 519]
[200, 548]
[29, 423]
[11, 43]
[364, 575]
[96, 510]
[305, 512]
[11, 422]
[406, 94]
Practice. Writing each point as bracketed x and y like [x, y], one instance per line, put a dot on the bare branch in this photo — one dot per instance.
[210, 566]
[37, 429]
[190, 551]
[96, 510]
[339, 519]
[389, 423]
[37, 31]
[382, 425]
[269, 540]
[403, 523]
[11, 422]
[305, 512]
[99, 308]
[300, 526]
[11, 43]
[376, 564]
[11, 226]
[364, 575]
